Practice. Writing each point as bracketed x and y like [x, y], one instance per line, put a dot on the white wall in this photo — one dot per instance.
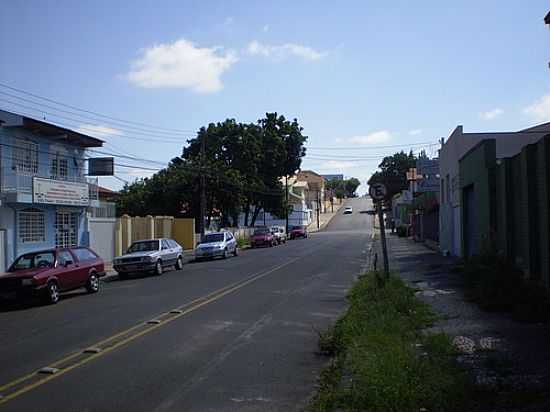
[102, 237]
[7, 222]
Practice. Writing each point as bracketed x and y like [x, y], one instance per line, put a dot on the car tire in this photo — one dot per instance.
[225, 254]
[236, 251]
[92, 284]
[158, 268]
[51, 296]
[179, 263]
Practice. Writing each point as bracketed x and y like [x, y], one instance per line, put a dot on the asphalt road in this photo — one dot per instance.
[243, 336]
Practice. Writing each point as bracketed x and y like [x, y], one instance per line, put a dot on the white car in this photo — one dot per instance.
[151, 255]
[218, 244]
[348, 210]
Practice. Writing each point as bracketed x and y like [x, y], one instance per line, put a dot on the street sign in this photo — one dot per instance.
[378, 191]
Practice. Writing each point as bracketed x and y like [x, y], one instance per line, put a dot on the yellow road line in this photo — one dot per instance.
[191, 307]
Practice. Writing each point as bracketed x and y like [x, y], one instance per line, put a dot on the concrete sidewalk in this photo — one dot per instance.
[492, 339]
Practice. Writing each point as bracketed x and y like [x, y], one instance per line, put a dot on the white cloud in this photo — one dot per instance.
[381, 136]
[265, 29]
[98, 130]
[338, 164]
[255, 48]
[491, 114]
[415, 132]
[539, 110]
[182, 64]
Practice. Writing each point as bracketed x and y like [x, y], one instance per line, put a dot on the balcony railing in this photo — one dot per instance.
[13, 181]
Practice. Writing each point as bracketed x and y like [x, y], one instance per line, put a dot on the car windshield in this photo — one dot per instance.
[262, 231]
[33, 260]
[147, 246]
[212, 238]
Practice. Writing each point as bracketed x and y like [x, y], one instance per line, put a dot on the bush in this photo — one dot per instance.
[402, 231]
[495, 283]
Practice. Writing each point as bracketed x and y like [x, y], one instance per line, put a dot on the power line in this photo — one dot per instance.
[430, 143]
[80, 127]
[92, 112]
[132, 129]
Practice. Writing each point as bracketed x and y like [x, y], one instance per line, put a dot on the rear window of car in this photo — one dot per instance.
[84, 255]
[261, 231]
[213, 237]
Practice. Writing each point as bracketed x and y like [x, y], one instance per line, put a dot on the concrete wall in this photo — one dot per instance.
[130, 229]
[456, 146]
[183, 232]
[102, 237]
[477, 170]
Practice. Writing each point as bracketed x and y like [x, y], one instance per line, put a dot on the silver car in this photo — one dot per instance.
[218, 244]
[152, 255]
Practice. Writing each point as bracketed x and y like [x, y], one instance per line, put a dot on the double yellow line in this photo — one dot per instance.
[181, 311]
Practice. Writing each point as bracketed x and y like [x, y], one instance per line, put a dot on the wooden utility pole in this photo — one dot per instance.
[202, 212]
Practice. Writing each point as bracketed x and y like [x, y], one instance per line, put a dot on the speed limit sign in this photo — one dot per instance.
[378, 191]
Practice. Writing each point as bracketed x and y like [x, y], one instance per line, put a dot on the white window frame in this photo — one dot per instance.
[31, 226]
[25, 157]
[66, 228]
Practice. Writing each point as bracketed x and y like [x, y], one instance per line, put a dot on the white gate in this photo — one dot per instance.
[102, 237]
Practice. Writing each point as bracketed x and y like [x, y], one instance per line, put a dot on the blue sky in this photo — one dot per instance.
[357, 74]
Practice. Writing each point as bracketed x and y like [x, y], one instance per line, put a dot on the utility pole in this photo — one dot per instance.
[378, 192]
[286, 203]
[318, 210]
[202, 213]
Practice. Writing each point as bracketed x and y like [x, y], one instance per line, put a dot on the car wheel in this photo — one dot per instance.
[236, 251]
[179, 263]
[158, 268]
[92, 285]
[225, 254]
[52, 293]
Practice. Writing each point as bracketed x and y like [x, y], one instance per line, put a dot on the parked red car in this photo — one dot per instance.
[46, 273]
[298, 231]
[262, 237]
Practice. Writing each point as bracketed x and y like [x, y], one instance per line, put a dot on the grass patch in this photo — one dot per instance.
[243, 242]
[381, 359]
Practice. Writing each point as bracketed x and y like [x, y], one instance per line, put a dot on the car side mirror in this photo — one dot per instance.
[68, 262]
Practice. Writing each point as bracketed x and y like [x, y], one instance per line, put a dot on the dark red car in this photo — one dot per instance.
[46, 273]
[298, 231]
[262, 237]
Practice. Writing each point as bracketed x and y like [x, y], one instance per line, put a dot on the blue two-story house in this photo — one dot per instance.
[44, 193]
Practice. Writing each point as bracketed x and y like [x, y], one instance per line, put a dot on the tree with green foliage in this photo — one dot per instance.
[243, 166]
[344, 188]
[393, 172]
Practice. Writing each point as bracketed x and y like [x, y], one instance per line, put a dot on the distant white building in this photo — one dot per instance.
[457, 145]
[301, 214]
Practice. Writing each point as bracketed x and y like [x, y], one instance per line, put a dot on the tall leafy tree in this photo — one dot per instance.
[393, 172]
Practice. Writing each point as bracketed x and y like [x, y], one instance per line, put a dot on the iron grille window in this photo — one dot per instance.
[31, 226]
[59, 168]
[66, 229]
[25, 157]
